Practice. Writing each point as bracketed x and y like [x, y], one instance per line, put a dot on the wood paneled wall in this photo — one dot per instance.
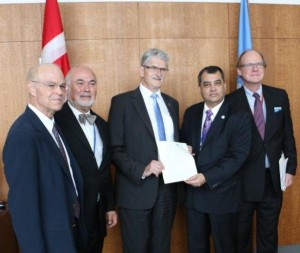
[111, 37]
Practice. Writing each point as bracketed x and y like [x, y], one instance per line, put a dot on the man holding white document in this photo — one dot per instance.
[138, 120]
[220, 137]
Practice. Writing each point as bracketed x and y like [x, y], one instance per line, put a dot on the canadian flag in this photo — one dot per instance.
[53, 43]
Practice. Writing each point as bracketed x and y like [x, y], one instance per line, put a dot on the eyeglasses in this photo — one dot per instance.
[156, 69]
[52, 85]
[258, 65]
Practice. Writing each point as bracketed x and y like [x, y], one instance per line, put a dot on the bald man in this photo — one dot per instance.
[45, 184]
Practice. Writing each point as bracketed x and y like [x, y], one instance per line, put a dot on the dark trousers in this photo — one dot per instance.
[149, 231]
[201, 226]
[267, 218]
[94, 233]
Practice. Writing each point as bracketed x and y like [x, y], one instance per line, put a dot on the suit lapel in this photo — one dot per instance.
[218, 121]
[102, 136]
[198, 126]
[140, 107]
[72, 123]
[243, 102]
[46, 136]
[173, 115]
[270, 120]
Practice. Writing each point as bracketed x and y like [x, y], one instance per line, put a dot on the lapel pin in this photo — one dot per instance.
[223, 117]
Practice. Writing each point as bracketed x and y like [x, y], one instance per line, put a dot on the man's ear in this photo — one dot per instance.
[239, 72]
[31, 88]
[142, 71]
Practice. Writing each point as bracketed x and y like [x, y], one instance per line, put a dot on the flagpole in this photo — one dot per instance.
[244, 36]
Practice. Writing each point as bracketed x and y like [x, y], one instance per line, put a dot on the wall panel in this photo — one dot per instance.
[100, 20]
[182, 20]
[20, 22]
[111, 37]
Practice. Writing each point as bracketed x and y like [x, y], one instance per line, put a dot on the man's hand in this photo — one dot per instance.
[196, 181]
[288, 180]
[111, 219]
[154, 167]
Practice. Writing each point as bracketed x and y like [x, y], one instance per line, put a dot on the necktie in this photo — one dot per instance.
[159, 119]
[60, 145]
[259, 115]
[206, 125]
[76, 207]
[87, 118]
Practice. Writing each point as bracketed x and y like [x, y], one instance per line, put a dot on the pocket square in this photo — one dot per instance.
[277, 109]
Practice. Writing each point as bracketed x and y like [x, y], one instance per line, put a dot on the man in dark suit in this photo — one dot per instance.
[45, 184]
[271, 135]
[89, 142]
[220, 139]
[138, 119]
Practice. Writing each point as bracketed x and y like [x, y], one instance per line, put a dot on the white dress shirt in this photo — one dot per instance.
[49, 123]
[91, 132]
[168, 122]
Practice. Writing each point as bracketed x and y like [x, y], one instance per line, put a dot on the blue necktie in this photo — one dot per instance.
[206, 125]
[159, 119]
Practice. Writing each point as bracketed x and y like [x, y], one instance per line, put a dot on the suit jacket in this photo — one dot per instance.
[134, 147]
[41, 191]
[222, 154]
[278, 138]
[96, 180]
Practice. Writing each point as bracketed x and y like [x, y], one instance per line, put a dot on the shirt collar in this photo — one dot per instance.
[147, 93]
[215, 109]
[48, 123]
[250, 93]
[76, 111]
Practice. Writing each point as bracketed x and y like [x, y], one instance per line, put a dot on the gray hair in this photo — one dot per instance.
[154, 52]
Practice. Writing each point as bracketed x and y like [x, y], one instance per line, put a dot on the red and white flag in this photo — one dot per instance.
[53, 43]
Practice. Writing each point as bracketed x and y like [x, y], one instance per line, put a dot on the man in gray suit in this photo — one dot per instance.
[137, 120]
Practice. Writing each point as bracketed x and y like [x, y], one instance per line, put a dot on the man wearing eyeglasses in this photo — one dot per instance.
[272, 135]
[137, 120]
[45, 184]
[87, 135]
[220, 139]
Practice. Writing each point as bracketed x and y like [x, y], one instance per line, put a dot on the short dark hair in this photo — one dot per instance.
[210, 70]
[238, 64]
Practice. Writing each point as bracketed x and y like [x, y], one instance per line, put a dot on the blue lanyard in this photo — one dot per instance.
[94, 139]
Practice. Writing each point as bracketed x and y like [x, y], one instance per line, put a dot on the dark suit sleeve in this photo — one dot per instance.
[106, 178]
[239, 142]
[119, 131]
[21, 170]
[289, 146]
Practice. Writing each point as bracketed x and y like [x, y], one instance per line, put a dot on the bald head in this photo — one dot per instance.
[47, 88]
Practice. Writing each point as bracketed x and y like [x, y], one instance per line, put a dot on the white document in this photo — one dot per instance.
[178, 162]
[282, 170]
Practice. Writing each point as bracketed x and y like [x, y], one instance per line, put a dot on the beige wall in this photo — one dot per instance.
[111, 37]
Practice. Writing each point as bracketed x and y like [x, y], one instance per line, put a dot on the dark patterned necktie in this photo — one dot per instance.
[159, 119]
[259, 115]
[60, 145]
[76, 206]
[87, 118]
[206, 125]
